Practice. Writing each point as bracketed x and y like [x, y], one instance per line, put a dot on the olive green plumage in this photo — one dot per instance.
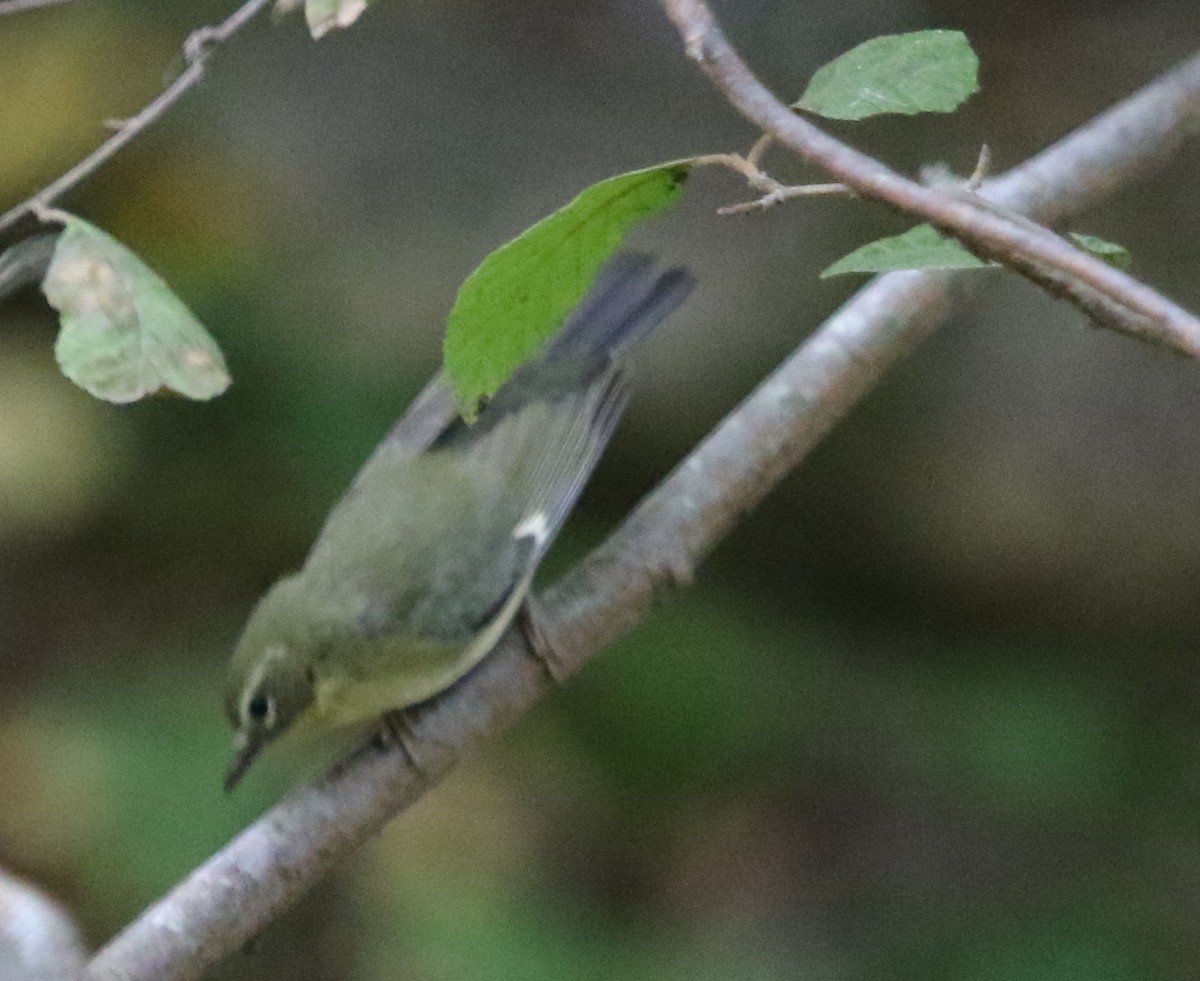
[425, 561]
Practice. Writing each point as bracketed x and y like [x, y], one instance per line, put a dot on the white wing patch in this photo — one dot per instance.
[535, 526]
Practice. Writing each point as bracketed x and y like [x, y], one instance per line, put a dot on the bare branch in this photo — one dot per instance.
[20, 6]
[1036, 252]
[773, 192]
[746, 166]
[38, 940]
[276, 860]
[760, 148]
[785, 193]
[197, 49]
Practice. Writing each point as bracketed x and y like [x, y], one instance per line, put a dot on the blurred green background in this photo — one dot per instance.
[930, 712]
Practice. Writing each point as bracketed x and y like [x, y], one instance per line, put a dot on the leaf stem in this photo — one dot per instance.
[982, 166]
[773, 192]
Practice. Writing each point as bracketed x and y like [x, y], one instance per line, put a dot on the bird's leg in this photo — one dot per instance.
[395, 730]
[538, 642]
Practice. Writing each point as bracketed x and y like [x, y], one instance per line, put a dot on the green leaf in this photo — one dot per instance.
[521, 293]
[324, 16]
[1115, 255]
[926, 71]
[918, 248]
[124, 333]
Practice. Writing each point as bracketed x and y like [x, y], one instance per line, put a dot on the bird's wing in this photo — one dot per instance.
[546, 451]
[432, 543]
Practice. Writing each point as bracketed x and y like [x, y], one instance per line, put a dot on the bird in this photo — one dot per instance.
[427, 558]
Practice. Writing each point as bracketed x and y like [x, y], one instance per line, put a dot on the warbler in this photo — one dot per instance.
[425, 561]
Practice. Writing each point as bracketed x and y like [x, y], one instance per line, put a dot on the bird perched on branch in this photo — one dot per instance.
[426, 560]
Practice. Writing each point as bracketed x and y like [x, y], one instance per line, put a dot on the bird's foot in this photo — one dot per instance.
[538, 642]
[396, 731]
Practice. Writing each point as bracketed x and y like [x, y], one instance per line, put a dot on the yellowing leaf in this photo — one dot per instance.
[324, 16]
[124, 333]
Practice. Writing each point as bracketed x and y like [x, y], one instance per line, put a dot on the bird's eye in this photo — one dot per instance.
[260, 708]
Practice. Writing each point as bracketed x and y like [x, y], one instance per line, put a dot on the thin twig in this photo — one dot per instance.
[759, 150]
[786, 193]
[197, 49]
[773, 192]
[233, 895]
[1037, 253]
[20, 6]
[756, 178]
[982, 166]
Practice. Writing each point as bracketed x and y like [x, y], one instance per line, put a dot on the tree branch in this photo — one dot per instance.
[772, 191]
[20, 6]
[38, 940]
[273, 862]
[197, 49]
[1110, 296]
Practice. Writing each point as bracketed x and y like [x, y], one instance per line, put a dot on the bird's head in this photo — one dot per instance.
[271, 683]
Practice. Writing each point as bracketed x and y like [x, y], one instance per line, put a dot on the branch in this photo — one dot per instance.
[776, 193]
[785, 192]
[20, 6]
[1108, 294]
[197, 49]
[38, 940]
[267, 867]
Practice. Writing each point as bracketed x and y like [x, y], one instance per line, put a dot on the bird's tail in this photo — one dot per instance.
[628, 300]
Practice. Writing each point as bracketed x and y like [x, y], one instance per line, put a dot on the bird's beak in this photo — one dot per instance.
[245, 750]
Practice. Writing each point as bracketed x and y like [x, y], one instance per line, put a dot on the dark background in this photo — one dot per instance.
[930, 712]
